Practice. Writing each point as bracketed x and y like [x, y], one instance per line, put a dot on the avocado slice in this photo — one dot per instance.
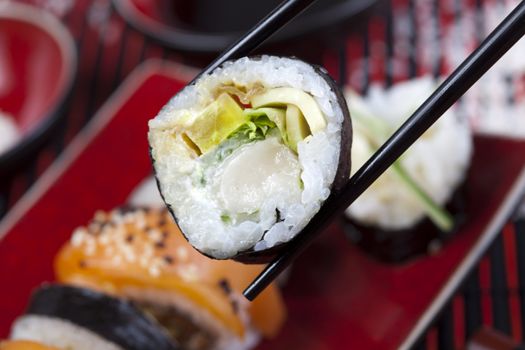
[291, 96]
[215, 123]
[296, 127]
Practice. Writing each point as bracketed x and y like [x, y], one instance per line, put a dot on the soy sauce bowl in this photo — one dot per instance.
[38, 62]
[209, 26]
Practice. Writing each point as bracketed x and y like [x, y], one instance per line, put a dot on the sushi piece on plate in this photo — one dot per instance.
[140, 255]
[415, 191]
[68, 317]
[246, 156]
[24, 345]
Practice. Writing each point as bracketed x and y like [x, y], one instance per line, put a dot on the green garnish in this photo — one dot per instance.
[276, 115]
[377, 131]
[226, 218]
[254, 129]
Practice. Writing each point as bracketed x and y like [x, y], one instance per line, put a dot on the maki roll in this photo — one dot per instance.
[140, 255]
[245, 156]
[67, 317]
[418, 199]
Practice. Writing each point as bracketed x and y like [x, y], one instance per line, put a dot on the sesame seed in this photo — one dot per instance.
[154, 271]
[154, 234]
[129, 255]
[182, 253]
[168, 259]
[225, 286]
[78, 237]
[104, 240]
[189, 272]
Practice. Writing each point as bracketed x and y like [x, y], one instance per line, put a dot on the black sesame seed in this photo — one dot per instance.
[82, 264]
[168, 259]
[160, 245]
[225, 285]
[130, 238]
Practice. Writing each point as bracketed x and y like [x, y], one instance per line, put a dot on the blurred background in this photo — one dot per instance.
[362, 43]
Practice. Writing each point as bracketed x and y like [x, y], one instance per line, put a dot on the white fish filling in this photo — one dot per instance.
[260, 170]
[261, 193]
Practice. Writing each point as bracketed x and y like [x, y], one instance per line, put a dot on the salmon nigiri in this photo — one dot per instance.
[141, 255]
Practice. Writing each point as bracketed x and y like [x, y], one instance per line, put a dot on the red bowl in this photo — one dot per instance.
[37, 68]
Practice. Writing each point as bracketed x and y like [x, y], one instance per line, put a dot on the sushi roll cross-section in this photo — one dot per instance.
[66, 317]
[246, 155]
[140, 255]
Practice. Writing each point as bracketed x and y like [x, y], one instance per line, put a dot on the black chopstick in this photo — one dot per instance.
[510, 30]
[269, 25]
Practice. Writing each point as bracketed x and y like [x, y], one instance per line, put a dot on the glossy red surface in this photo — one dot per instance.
[34, 70]
[337, 297]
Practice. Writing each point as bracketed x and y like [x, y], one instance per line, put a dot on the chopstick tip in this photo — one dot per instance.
[250, 293]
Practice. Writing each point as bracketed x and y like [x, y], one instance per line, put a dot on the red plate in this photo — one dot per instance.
[337, 297]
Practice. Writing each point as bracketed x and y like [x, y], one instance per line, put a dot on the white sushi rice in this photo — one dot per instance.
[438, 161]
[9, 133]
[58, 333]
[199, 210]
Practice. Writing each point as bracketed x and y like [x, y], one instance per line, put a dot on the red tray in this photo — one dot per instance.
[337, 296]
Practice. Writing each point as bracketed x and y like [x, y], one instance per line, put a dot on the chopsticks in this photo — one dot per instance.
[270, 24]
[510, 30]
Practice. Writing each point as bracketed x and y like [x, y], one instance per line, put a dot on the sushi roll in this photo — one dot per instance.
[140, 255]
[68, 317]
[420, 192]
[246, 155]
